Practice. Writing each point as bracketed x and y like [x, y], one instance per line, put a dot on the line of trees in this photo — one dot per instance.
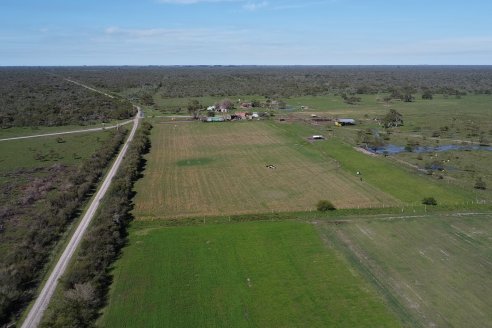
[46, 219]
[86, 284]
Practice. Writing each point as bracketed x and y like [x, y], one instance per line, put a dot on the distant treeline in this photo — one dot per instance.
[33, 222]
[86, 283]
[34, 97]
[286, 81]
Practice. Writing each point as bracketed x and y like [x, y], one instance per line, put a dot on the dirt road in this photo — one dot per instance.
[67, 132]
[36, 312]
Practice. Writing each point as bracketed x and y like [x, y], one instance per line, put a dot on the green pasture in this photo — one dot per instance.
[452, 118]
[27, 131]
[405, 185]
[260, 274]
[45, 151]
[434, 270]
[461, 168]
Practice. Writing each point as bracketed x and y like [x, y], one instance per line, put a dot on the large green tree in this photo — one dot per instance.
[392, 119]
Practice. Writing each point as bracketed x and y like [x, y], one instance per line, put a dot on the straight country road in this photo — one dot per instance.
[90, 88]
[67, 132]
[36, 312]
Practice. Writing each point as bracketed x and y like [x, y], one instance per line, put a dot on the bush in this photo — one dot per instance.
[429, 201]
[480, 184]
[325, 205]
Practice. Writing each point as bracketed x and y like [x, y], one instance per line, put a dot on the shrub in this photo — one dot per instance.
[480, 184]
[429, 201]
[325, 205]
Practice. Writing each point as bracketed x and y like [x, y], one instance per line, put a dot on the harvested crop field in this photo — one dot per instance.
[436, 270]
[198, 169]
[256, 274]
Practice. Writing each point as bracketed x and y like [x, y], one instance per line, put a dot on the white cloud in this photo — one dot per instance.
[190, 2]
[255, 5]
[252, 6]
[450, 46]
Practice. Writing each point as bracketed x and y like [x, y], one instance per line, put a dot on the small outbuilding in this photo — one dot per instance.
[215, 119]
[344, 121]
[317, 137]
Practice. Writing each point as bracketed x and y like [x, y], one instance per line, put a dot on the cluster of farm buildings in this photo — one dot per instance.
[223, 110]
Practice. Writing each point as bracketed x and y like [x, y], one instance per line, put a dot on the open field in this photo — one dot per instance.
[199, 169]
[46, 151]
[436, 271]
[460, 167]
[404, 185]
[262, 274]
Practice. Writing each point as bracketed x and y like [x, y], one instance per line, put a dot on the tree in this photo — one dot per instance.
[147, 99]
[392, 119]
[227, 104]
[429, 201]
[480, 184]
[194, 107]
[255, 103]
[427, 95]
[408, 97]
[325, 205]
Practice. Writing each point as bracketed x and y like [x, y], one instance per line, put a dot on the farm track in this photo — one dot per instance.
[68, 132]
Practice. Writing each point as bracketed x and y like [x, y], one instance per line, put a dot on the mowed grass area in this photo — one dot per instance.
[436, 269]
[257, 274]
[197, 169]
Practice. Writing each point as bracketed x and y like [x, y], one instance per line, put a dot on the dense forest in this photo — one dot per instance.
[44, 96]
[35, 97]
[285, 81]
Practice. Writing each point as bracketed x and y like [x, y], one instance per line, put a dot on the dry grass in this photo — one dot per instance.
[219, 169]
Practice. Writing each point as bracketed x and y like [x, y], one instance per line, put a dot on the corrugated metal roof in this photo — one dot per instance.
[346, 120]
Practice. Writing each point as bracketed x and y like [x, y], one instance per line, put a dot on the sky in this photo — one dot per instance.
[245, 32]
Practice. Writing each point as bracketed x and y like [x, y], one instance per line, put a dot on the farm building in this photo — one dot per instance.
[211, 108]
[239, 116]
[317, 137]
[215, 119]
[344, 121]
